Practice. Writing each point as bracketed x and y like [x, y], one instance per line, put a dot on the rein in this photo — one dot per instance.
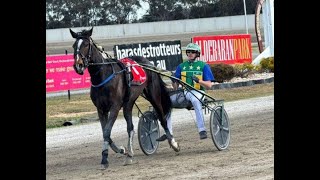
[189, 87]
[103, 63]
[108, 78]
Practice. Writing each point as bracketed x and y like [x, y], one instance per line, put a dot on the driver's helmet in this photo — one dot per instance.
[194, 47]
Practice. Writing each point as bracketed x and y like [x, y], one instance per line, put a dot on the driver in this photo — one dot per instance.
[197, 74]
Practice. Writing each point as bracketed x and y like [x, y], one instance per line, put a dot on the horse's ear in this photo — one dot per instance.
[90, 31]
[73, 34]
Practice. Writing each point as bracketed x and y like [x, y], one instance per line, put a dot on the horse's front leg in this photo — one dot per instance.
[130, 129]
[106, 125]
[103, 116]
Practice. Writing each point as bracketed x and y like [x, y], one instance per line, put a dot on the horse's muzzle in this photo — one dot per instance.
[79, 68]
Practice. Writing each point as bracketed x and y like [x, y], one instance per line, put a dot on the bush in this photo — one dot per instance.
[267, 64]
[243, 70]
[222, 72]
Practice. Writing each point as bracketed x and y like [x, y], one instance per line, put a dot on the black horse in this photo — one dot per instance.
[111, 90]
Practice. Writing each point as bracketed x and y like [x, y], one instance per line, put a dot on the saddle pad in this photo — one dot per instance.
[138, 73]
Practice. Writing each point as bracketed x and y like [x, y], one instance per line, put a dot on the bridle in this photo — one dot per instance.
[85, 58]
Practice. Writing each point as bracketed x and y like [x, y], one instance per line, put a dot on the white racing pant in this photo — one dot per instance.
[194, 97]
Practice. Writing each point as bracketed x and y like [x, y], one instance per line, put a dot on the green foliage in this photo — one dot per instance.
[243, 70]
[222, 72]
[79, 13]
[257, 68]
[267, 64]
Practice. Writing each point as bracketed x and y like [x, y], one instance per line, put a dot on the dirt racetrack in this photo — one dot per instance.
[250, 154]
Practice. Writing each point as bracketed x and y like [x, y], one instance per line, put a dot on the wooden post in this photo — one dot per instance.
[69, 95]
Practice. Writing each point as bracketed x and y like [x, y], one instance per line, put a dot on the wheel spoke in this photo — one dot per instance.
[147, 130]
[218, 130]
[154, 130]
[218, 119]
[225, 129]
[144, 139]
[222, 139]
[151, 143]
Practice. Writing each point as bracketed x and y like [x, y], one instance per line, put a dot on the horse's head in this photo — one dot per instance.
[82, 50]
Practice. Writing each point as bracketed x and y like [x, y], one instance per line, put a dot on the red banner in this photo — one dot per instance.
[61, 76]
[228, 49]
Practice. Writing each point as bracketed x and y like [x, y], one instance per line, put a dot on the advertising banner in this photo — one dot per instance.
[61, 76]
[228, 49]
[166, 55]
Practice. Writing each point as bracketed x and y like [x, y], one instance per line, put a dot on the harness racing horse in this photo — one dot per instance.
[110, 91]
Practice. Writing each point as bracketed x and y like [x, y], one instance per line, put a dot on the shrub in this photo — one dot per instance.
[257, 68]
[267, 64]
[243, 70]
[222, 72]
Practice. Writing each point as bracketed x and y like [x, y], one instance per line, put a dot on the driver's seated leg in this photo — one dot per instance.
[162, 138]
[198, 111]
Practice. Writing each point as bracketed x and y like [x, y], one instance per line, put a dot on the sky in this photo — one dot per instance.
[143, 9]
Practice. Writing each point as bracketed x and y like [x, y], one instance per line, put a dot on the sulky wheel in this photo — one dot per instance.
[220, 128]
[148, 132]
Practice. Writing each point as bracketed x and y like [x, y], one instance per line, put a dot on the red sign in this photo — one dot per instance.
[227, 49]
[61, 76]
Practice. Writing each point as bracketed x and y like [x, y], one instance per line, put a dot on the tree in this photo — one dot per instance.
[160, 10]
[235, 7]
[120, 10]
[78, 13]
[54, 13]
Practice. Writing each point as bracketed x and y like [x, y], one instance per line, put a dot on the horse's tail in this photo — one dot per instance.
[165, 97]
[158, 85]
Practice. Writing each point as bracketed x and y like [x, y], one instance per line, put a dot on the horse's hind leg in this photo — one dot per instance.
[163, 121]
[127, 109]
[117, 149]
[172, 142]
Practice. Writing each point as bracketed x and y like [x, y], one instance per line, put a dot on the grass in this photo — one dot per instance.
[80, 109]
[234, 94]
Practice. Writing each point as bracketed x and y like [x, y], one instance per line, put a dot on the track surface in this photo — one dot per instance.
[74, 152]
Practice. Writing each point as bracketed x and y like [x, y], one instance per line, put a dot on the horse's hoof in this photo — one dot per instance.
[128, 161]
[177, 148]
[118, 155]
[123, 150]
[104, 166]
[174, 145]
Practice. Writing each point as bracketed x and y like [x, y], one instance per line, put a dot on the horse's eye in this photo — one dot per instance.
[85, 44]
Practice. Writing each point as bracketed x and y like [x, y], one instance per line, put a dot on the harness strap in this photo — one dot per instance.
[108, 79]
[128, 79]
